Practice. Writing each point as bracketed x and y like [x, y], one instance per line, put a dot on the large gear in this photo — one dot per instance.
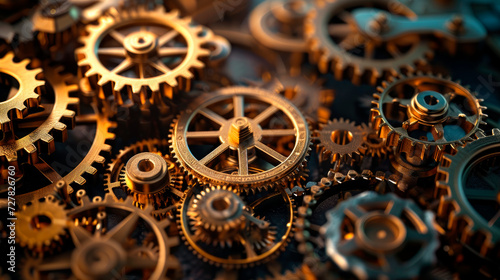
[159, 193]
[159, 56]
[25, 89]
[426, 115]
[238, 120]
[365, 233]
[469, 194]
[335, 43]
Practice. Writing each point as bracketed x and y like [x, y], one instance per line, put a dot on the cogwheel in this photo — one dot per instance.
[137, 49]
[365, 233]
[336, 44]
[222, 226]
[161, 181]
[375, 146]
[24, 88]
[59, 116]
[241, 125]
[470, 195]
[340, 141]
[424, 116]
[42, 225]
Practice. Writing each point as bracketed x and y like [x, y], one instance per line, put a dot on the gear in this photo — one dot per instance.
[237, 125]
[42, 225]
[161, 188]
[470, 195]
[24, 88]
[426, 115]
[340, 141]
[336, 44]
[366, 233]
[375, 146]
[140, 50]
[59, 116]
[223, 230]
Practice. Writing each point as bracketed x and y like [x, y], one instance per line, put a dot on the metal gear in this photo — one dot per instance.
[365, 233]
[162, 189]
[469, 193]
[336, 44]
[24, 88]
[340, 141]
[426, 115]
[159, 56]
[42, 225]
[375, 146]
[224, 231]
[239, 122]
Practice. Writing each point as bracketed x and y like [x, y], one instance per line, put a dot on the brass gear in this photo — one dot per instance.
[334, 43]
[27, 96]
[42, 225]
[143, 49]
[375, 146]
[160, 196]
[469, 212]
[425, 116]
[235, 120]
[340, 141]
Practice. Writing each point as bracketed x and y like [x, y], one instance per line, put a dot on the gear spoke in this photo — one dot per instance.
[355, 212]
[278, 132]
[213, 116]
[123, 66]
[339, 30]
[124, 229]
[138, 262]
[120, 38]
[80, 235]
[172, 51]
[59, 262]
[270, 152]
[203, 134]
[394, 208]
[119, 52]
[170, 35]
[160, 66]
[214, 154]
[264, 115]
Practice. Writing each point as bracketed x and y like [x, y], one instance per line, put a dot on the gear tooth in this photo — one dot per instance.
[496, 131]
[154, 87]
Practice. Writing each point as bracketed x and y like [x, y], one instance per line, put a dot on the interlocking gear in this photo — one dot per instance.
[160, 55]
[365, 233]
[242, 126]
[469, 194]
[337, 45]
[375, 146]
[425, 115]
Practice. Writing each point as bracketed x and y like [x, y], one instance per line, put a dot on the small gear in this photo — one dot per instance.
[375, 146]
[242, 126]
[469, 194]
[139, 50]
[336, 44]
[161, 181]
[424, 116]
[25, 89]
[340, 141]
[42, 225]
[365, 233]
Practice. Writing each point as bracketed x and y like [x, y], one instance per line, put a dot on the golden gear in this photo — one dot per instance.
[19, 100]
[472, 214]
[161, 194]
[424, 116]
[42, 225]
[237, 224]
[157, 62]
[340, 142]
[336, 44]
[375, 146]
[239, 121]
[58, 117]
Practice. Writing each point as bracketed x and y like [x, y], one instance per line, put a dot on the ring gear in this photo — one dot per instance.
[27, 96]
[425, 115]
[144, 50]
[365, 233]
[161, 194]
[340, 141]
[238, 121]
[42, 225]
[472, 214]
[343, 56]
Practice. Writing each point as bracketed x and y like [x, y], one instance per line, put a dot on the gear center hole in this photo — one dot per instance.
[431, 100]
[40, 222]
[341, 137]
[220, 204]
[145, 165]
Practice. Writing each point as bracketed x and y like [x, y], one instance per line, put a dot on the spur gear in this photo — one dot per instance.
[340, 141]
[367, 235]
[469, 194]
[375, 146]
[24, 88]
[42, 225]
[424, 116]
[336, 44]
[139, 50]
[241, 126]
[161, 181]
